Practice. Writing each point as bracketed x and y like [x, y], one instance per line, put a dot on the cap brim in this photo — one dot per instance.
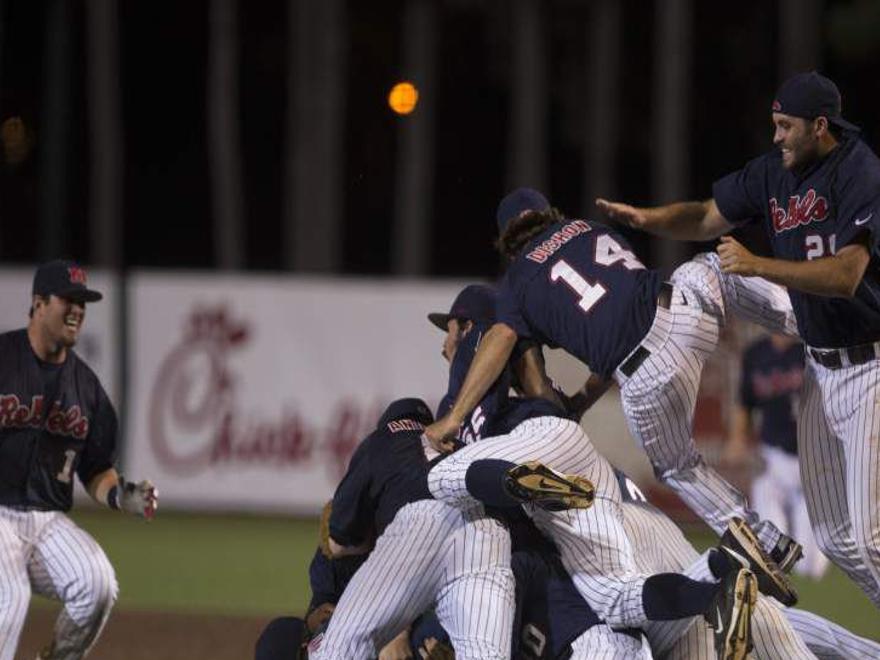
[844, 124]
[80, 295]
[440, 320]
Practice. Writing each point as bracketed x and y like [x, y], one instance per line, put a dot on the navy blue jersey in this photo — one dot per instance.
[329, 577]
[550, 613]
[55, 420]
[578, 286]
[770, 383]
[386, 472]
[813, 214]
[494, 399]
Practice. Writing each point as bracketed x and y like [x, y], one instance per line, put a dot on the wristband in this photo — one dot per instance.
[113, 498]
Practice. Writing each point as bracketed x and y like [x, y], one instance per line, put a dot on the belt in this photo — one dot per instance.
[849, 356]
[635, 359]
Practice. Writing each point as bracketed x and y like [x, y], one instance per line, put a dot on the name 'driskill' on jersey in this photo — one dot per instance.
[559, 238]
[70, 422]
[801, 211]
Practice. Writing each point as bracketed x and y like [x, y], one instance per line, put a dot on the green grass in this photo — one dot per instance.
[259, 566]
[213, 564]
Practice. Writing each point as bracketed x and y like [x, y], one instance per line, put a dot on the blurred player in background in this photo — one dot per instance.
[818, 194]
[770, 382]
[56, 421]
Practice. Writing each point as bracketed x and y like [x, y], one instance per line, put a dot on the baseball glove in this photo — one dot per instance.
[140, 499]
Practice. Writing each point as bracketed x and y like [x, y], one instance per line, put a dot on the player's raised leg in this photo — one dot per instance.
[69, 565]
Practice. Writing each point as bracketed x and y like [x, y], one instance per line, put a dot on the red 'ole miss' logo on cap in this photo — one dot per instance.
[76, 275]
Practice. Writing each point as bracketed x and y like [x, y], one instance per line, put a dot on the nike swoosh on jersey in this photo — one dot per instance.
[862, 221]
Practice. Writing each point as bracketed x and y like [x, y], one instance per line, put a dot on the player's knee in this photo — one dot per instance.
[97, 593]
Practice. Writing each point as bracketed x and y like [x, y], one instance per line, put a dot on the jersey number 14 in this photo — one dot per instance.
[608, 252]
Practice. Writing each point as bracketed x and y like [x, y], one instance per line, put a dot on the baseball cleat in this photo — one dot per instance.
[537, 484]
[787, 553]
[730, 614]
[741, 545]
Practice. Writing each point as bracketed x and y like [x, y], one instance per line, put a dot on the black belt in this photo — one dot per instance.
[635, 359]
[835, 358]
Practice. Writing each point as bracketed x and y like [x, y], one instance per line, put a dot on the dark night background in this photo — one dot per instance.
[162, 58]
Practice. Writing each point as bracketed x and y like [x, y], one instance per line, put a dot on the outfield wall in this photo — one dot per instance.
[250, 392]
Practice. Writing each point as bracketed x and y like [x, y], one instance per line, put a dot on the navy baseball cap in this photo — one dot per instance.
[518, 202]
[65, 279]
[475, 302]
[280, 640]
[811, 95]
[412, 408]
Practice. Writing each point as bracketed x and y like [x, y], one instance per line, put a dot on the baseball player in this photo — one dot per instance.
[593, 546]
[56, 422]
[575, 284]
[818, 191]
[426, 551]
[770, 382]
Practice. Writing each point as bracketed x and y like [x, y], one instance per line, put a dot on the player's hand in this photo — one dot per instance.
[442, 433]
[319, 616]
[431, 649]
[140, 499]
[735, 258]
[622, 213]
[397, 648]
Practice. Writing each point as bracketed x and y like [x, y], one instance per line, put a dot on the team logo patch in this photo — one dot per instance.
[15, 413]
[776, 107]
[76, 275]
[802, 210]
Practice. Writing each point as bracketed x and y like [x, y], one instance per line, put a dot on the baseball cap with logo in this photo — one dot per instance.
[475, 302]
[518, 202]
[810, 95]
[65, 279]
[414, 409]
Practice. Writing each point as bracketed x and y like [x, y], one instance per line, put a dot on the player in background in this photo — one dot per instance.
[575, 284]
[56, 421]
[818, 191]
[770, 382]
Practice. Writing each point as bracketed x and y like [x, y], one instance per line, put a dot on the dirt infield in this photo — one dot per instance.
[155, 636]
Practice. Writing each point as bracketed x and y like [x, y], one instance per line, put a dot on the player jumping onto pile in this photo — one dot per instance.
[819, 193]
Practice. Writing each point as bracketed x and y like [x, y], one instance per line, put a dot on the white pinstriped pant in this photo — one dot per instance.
[431, 552]
[592, 543]
[601, 642]
[659, 546]
[830, 641]
[660, 396]
[46, 552]
[839, 452]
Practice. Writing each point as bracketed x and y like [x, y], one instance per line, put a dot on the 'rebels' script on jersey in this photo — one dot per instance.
[55, 422]
[810, 215]
[578, 286]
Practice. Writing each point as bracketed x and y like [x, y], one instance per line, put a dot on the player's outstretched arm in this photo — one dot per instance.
[582, 400]
[111, 489]
[490, 360]
[683, 221]
[837, 276]
[531, 374]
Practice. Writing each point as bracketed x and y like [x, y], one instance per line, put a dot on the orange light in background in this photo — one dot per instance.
[403, 98]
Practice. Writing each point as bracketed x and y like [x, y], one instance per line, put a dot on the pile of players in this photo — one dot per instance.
[503, 532]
